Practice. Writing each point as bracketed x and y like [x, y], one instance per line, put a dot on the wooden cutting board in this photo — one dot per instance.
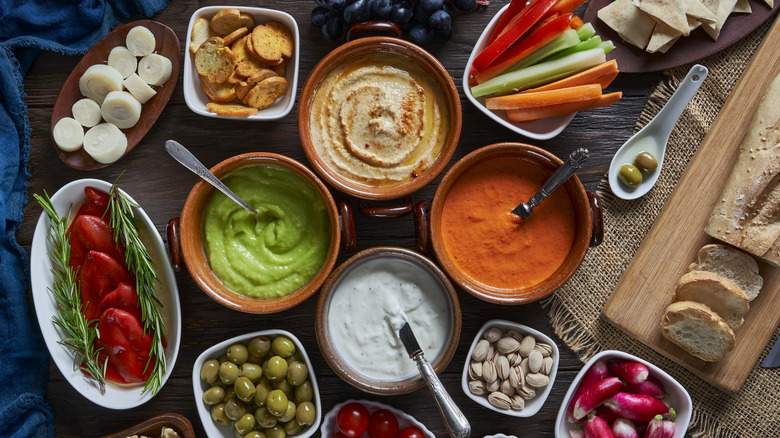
[646, 288]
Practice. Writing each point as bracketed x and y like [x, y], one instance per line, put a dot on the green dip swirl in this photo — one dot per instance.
[275, 252]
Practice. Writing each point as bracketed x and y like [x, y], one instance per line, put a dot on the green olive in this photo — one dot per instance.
[645, 162]
[230, 393]
[264, 418]
[222, 358]
[252, 371]
[284, 386]
[235, 409]
[630, 175]
[283, 346]
[305, 414]
[297, 373]
[296, 357]
[259, 346]
[255, 434]
[275, 368]
[209, 372]
[276, 402]
[289, 414]
[245, 424]
[245, 389]
[276, 432]
[304, 392]
[238, 353]
[213, 395]
[228, 372]
[236, 433]
[261, 392]
[218, 414]
[292, 427]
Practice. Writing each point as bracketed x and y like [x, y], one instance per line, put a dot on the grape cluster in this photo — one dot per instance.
[421, 20]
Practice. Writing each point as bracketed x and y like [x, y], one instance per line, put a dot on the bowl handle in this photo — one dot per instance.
[422, 230]
[348, 239]
[373, 28]
[386, 212]
[597, 219]
[174, 244]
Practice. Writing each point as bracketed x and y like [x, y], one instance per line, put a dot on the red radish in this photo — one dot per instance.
[607, 414]
[652, 387]
[629, 370]
[636, 406]
[576, 433]
[596, 395]
[596, 372]
[596, 427]
[655, 428]
[623, 428]
[669, 427]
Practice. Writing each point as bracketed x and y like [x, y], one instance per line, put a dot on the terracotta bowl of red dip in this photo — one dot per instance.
[490, 252]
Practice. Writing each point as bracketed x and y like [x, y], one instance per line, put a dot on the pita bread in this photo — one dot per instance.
[742, 7]
[724, 10]
[663, 34]
[633, 25]
[770, 3]
[670, 12]
[697, 10]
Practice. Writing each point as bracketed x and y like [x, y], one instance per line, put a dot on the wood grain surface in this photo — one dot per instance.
[161, 185]
[647, 286]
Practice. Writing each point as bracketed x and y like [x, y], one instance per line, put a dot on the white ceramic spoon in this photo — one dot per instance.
[654, 136]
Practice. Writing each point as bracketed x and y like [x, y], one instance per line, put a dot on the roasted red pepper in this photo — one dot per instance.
[89, 233]
[123, 297]
[125, 345]
[96, 203]
[99, 275]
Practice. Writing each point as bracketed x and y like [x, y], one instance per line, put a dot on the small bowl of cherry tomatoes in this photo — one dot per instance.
[370, 419]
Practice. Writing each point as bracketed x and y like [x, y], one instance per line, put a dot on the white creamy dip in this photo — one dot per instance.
[368, 302]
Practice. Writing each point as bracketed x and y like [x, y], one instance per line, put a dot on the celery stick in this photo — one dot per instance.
[563, 41]
[540, 74]
[586, 31]
[607, 46]
[588, 44]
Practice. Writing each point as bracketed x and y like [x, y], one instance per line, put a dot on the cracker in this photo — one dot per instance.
[695, 9]
[231, 110]
[724, 10]
[632, 24]
[670, 12]
[226, 20]
[742, 7]
[214, 61]
[265, 93]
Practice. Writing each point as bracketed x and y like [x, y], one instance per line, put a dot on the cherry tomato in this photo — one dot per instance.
[353, 419]
[411, 432]
[383, 424]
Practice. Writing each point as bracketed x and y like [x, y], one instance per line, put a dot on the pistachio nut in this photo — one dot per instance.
[477, 387]
[526, 345]
[535, 361]
[517, 403]
[507, 388]
[496, 355]
[489, 373]
[527, 392]
[545, 349]
[480, 350]
[514, 334]
[548, 365]
[499, 400]
[516, 376]
[475, 370]
[515, 358]
[525, 366]
[493, 386]
[491, 351]
[502, 367]
[492, 334]
[537, 380]
[507, 345]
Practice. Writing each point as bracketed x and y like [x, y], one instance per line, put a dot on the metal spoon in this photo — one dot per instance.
[186, 159]
[574, 162]
[654, 136]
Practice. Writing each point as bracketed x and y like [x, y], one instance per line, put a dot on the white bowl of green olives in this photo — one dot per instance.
[255, 385]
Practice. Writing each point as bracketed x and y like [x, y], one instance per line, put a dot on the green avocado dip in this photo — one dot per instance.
[275, 252]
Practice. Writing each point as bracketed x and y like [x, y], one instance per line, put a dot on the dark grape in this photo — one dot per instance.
[332, 27]
[420, 34]
[402, 14]
[443, 36]
[420, 14]
[440, 21]
[431, 5]
[357, 11]
[319, 14]
[380, 9]
[333, 5]
[464, 5]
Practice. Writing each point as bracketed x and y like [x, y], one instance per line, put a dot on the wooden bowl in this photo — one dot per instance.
[153, 427]
[362, 48]
[580, 202]
[191, 238]
[328, 344]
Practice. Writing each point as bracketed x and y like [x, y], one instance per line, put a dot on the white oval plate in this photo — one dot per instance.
[542, 129]
[117, 396]
[330, 427]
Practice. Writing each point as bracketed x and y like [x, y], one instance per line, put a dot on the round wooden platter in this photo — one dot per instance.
[153, 427]
[698, 45]
[167, 44]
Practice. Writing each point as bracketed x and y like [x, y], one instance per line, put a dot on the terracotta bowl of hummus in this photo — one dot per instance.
[359, 309]
[379, 118]
[266, 262]
[490, 252]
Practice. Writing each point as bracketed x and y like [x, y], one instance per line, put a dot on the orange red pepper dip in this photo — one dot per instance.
[490, 244]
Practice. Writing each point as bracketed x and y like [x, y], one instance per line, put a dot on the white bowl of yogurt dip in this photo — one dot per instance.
[359, 303]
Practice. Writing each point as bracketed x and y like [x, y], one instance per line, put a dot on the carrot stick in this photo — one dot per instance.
[529, 114]
[576, 22]
[602, 74]
[544, 98]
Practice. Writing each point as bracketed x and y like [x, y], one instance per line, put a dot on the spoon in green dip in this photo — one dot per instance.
[186, 159]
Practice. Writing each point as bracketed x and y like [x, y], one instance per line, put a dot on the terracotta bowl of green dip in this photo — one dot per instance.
[270, 261]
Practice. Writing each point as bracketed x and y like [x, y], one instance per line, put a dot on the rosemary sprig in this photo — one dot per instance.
[80, 337]
[141, 265]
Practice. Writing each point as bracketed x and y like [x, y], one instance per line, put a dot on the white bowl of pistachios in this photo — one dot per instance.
[510, 368]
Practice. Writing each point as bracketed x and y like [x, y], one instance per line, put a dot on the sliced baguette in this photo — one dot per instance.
[214, 62]
[731, 263]
[698, 330]
[720, 294]
[201, 31]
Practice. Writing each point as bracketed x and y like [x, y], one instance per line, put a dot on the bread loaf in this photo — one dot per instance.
[731, 263]
[720, 294]
[698, 330]
[747, 214]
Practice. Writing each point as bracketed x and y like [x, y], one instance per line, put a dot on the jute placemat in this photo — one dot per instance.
[574, 309]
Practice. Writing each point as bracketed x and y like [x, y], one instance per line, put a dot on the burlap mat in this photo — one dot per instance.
[574, 309]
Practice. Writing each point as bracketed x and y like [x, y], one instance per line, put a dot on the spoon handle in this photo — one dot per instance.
[186, 159]
[570, 166]
[673, 109]
[456, 423]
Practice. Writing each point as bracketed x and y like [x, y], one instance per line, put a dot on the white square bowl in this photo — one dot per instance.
[330, 425]
[197, 99]
[678, 396]
[533, 405]
[542, 129]
[214, 430]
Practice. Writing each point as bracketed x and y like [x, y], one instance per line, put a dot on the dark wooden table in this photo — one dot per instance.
[161, 186]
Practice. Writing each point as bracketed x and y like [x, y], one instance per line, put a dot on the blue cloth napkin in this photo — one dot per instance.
[26, 28]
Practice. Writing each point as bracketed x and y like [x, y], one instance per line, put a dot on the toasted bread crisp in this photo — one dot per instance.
[265, 93]
[201, 31]
[242, 88]
[231, 110]
[235, 35]
[247, 20]
[285, 37]
[227, 20]
[214, 61]
[261, 75]
[220, 93]
[246, 64]
[268, 44]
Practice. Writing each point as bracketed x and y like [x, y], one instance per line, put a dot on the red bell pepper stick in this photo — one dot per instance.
[125, 344]
[524, 47]
[629, 370]
[652, 387]
[515, 7]
[123, 297]
[565, 6]
[596, 372]
[636, 406]
[513, 31]
[92, 233]
[596, 427]
[596, 395]
[99, 275]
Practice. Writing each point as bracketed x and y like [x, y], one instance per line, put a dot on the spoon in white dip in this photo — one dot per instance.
[654, 136]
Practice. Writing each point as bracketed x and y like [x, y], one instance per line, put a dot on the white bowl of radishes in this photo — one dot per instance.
[619, 395]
